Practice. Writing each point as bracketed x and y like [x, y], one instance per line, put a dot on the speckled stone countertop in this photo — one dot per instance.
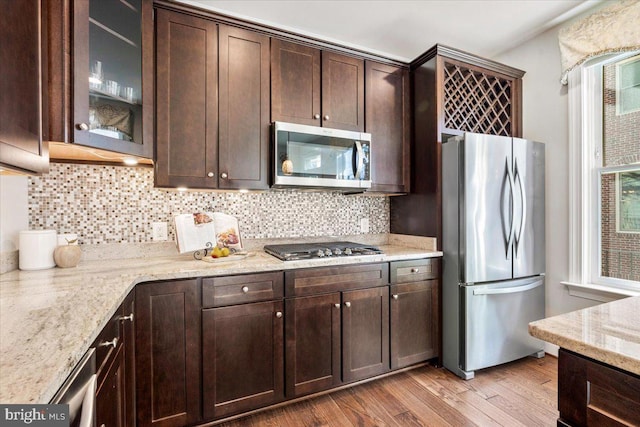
[609, 333]
[49, 318]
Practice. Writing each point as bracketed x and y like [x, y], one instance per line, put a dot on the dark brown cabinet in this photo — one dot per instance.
[242, 343]
[365, 333]
[314, 87]
[23, 85]
[212, 110]
[312, 355]
[101, 74]
[452, 92]
[387, 120]
[242, 357]
[168, 374]
[415, 326]
[591, 393]
[337, 326]
[115, 363]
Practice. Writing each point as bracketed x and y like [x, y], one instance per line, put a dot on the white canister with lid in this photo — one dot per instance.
[36, 249]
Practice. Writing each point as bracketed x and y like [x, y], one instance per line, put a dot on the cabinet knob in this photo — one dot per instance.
[224, 175]
[326, 117]
[394, 296]
[82, 126]
[210, 174]
[278, 314]
[337, 305]
[129, 317]
[347, 304]
[245, 289]
[415, 270]
[316, 116]
[113, 342]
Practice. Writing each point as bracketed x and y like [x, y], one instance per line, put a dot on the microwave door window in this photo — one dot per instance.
[320, 157]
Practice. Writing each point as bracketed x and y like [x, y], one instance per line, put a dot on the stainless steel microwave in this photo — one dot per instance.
[318, 157]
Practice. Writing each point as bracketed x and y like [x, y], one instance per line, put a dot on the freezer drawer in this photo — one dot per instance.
[495, 321]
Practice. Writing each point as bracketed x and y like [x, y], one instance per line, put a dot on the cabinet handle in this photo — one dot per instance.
[210, 174]
[82, 126]
[394, 296]
[347, 304]
[224, 175]
[278, 314]
[316, 116]
[129, 317]
[326, 117]
[336, 305]
[245, 289]
[415, 270]
[113, 342]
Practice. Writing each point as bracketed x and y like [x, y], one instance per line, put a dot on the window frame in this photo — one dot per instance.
[585, 168]
[619, 90]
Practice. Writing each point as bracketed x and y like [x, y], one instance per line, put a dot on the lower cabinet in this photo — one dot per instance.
[312, 356]
[591, 393]
[168, 353]
[242, 358]
[110, 394]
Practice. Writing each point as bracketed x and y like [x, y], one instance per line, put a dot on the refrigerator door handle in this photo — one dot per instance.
[523, 207]
[507, 214]
[509, 290]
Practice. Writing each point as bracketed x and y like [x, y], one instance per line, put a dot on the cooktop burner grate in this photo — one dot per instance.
[298, 251]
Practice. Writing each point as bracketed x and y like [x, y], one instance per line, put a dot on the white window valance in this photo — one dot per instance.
[614, 28]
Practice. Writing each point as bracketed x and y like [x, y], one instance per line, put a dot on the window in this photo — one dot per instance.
[604, 107]
[628, 86]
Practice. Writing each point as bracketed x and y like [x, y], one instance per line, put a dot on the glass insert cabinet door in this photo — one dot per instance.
[108, 88]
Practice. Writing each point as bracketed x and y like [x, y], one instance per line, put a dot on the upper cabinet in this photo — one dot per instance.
[314, 87]
[212, 110]
[101, 74]
[22, 60]
[387, 120]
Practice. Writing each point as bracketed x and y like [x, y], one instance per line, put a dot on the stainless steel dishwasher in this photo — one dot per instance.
[79, 392]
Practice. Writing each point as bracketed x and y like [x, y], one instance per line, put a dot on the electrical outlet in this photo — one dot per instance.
[159, 231]
[364, 225]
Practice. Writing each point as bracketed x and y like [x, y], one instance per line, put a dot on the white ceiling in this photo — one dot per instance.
[404, 29]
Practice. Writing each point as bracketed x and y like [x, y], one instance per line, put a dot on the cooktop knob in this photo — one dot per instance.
[337, 251]
[320, 253]
[327, 252]
[347, 251]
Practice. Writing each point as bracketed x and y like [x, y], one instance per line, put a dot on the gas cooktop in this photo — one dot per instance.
[298, 251]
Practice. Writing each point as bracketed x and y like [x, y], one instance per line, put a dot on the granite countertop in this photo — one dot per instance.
[609, 333]
[49, 318]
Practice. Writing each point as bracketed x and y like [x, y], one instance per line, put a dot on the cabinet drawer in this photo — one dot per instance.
[220, 291]
[311, 281]
[414, 270]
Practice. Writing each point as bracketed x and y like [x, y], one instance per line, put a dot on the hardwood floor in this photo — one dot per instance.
[521, 393]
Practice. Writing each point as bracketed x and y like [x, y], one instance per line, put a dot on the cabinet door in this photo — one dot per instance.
[387, 120]
[342, 92]
[295, 83]
[243, 147]
[168, 353]
[22, 83]
[414, 323]
[242, 358]
[365, 333]
[186, 108]
[110, 395]
[129, 349]
[312, 355]
[112, 75]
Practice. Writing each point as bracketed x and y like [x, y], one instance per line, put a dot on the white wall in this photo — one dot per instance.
[545, 119]
[14, 212]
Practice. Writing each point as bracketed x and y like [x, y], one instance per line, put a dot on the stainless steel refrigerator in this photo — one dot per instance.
[493, 244]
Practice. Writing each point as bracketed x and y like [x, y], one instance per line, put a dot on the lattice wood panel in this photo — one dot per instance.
[477, 102]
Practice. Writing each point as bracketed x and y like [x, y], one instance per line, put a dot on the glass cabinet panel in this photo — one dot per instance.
[115, 69]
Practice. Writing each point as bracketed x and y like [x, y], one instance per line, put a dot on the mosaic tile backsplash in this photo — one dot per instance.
[112, 204]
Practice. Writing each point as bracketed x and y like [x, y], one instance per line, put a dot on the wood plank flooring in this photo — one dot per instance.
[521, 393]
